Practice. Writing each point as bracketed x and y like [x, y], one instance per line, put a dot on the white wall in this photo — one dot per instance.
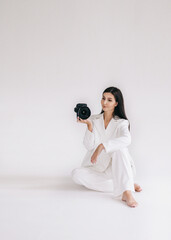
[54, 54]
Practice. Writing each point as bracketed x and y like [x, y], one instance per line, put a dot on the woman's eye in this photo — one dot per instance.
[108, 100]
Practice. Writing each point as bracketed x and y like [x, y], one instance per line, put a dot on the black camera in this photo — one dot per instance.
[82, 111]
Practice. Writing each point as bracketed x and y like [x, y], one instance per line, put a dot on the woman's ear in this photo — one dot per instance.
[116, 104]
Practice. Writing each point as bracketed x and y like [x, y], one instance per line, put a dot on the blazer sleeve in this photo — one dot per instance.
[117, 143]
[89, 138]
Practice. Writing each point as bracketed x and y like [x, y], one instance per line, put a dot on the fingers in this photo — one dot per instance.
[93, 160]
[80, 120]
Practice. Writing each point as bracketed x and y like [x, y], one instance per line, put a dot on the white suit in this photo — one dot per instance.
[114, 170]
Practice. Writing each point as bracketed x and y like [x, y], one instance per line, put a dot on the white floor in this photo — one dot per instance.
[58, 209]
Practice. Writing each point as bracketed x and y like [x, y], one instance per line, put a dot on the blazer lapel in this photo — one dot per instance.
[110, 128]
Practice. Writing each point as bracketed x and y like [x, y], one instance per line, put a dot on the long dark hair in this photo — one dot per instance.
[119, 109]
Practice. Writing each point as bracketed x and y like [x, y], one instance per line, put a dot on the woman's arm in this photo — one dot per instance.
[97, 153]
[89, 138]
[90, 127]
[114, 144]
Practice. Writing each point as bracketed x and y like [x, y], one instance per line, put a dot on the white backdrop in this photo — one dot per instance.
[55, 54]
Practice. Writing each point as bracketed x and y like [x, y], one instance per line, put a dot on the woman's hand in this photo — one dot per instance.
[97, 153]
[86, 121]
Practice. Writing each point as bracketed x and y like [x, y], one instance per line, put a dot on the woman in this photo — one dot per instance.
[107, 165]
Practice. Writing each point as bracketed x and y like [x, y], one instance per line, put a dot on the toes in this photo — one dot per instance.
[138, 188]
[135, 204]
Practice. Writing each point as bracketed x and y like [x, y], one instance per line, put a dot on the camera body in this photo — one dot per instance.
[82, 111]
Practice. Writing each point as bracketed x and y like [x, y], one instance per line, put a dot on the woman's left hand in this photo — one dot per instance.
[96, 153]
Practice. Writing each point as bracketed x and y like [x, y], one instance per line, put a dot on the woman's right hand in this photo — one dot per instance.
[86, 121]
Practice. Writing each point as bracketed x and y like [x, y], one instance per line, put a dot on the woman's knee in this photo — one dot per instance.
[74, 175]
[77, 174]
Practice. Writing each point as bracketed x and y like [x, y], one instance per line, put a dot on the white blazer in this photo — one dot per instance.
[115, 137]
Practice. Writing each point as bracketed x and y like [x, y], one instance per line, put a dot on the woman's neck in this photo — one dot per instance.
[107, 116]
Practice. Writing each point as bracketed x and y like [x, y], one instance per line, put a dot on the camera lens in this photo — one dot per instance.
[84, 112]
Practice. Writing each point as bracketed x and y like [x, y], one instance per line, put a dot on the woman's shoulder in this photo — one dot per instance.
[116, 118]
[95, 116]
[123, 121]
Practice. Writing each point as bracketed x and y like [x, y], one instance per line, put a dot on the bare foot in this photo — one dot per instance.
[137, 187]
[128, 198]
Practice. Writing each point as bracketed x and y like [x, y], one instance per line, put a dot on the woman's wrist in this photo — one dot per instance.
[90, 127]
[101, 146]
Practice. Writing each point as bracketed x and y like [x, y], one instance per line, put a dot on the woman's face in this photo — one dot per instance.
[108, 102]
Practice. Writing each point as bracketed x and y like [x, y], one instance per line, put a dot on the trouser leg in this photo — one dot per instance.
[92, 179]
[117, 178]
[122, 173]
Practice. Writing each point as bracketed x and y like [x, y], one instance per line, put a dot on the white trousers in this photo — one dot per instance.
[117, 178]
